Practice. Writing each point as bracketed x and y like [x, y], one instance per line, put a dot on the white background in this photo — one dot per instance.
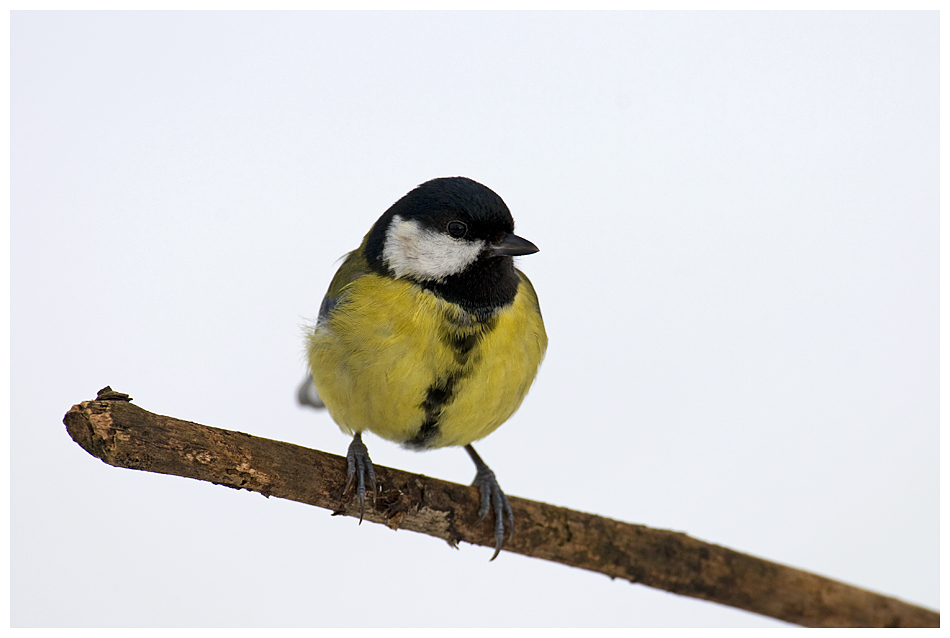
[738, 222]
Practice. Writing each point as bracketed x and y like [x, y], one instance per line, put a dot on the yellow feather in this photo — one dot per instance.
[388, 342]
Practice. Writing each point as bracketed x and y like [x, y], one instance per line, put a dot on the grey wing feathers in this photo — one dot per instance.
[329, 303]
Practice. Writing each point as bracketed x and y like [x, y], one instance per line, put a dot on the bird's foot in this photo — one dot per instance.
[492, 498]
[359, 469]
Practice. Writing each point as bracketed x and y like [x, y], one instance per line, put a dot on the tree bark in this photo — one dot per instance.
[124, 435]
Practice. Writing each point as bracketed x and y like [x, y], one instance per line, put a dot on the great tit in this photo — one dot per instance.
[428, 335]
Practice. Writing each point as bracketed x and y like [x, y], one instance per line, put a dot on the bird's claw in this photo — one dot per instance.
[359, 469]
[493, 498]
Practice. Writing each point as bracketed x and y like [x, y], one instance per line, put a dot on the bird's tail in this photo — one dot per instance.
[307, 394]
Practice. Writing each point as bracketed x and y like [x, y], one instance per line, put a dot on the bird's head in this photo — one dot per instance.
[443, 229]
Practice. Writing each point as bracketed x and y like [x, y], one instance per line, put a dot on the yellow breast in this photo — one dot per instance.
[395, 359]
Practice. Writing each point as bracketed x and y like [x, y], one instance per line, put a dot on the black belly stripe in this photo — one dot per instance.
[462, 345]
[437, 396]
[462, 337]
[462, 340]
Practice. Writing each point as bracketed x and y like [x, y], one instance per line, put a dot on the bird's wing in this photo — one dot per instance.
[353, 267]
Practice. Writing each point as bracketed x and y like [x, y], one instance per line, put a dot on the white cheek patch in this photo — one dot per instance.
[423, 254]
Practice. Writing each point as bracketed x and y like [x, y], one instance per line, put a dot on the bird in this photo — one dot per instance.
[428, 335]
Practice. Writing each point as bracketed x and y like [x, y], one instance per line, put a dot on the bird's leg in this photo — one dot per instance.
[359, 467]
[492, 496]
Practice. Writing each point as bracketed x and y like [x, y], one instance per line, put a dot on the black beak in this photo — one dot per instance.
[512, 246]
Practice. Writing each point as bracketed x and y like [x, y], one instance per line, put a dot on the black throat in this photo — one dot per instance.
[484, 287]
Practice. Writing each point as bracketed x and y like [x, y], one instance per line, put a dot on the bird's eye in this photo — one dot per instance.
[457, 228]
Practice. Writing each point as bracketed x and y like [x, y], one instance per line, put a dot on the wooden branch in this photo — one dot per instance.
[124, 435]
